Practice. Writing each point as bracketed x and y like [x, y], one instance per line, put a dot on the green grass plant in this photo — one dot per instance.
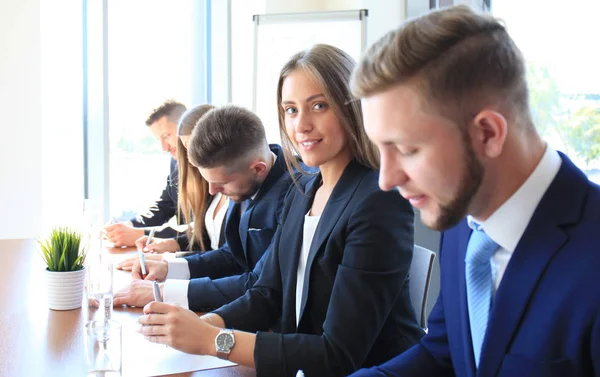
[62, 250]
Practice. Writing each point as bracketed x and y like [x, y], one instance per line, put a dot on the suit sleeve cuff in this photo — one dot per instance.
[176, 292]
[268, 351]
[178, 269]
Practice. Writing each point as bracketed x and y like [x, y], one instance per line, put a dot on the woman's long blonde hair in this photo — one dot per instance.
[331, 68]
[193, 195]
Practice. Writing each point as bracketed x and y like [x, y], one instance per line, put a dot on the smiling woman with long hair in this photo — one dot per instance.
[337, 274]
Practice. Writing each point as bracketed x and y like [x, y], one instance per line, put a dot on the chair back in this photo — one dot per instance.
[420, 276]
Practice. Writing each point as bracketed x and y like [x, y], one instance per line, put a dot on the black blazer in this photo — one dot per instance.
[220, 276]
[163, 209]
[356, 309]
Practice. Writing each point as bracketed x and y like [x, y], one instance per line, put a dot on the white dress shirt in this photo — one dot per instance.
[507, 224]
[176, 286]
[310, 226]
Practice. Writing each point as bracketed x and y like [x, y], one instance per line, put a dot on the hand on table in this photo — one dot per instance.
[123, 234]
[138, 293]
[158, 245]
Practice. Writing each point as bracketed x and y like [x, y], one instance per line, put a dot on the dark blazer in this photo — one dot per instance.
[355, 308]
[220, 276]
[545, 318]
[163, 209]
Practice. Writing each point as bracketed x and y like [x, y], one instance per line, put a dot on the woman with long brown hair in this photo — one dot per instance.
[337, 275]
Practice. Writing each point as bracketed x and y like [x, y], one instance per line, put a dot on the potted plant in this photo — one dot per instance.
[64, 254]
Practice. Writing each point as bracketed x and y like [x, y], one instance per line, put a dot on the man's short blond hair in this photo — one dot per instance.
[460, 60]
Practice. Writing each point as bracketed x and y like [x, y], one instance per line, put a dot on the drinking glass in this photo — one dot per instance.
[103, 348]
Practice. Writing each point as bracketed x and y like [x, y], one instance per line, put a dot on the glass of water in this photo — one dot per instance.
[103, 348]
[99, 290]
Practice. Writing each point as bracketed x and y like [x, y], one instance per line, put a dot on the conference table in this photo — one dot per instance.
[37, 341]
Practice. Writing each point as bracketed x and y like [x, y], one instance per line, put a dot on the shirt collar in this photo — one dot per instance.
[507, 224]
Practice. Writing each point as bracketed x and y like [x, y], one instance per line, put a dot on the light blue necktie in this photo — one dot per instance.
[478, 271]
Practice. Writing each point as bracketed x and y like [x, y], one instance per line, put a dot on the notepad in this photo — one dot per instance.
[142, 358]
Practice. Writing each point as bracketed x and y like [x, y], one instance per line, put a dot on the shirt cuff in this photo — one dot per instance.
[176, 292]
[178, 269]
[169, 256]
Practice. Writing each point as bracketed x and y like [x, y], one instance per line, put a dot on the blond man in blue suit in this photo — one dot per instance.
[446, 101]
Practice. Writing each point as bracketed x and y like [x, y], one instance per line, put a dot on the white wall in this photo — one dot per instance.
[20, 106]
[62, 113]
[40, 102]
[242, 49]
[286, 6]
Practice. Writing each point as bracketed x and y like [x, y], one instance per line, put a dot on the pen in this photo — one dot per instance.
[142, 257]
[142, 263]
[157, 296]
[150, 236]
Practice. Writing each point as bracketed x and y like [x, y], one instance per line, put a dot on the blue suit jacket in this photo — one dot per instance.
[355, 307]
[545, 318]
[222, 275]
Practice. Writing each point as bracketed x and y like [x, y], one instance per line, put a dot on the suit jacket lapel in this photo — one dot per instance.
[465, 327]
[293, 235]
[341, 194]
[543, 238]
[222, 232]
[232, 234]
[244, 225]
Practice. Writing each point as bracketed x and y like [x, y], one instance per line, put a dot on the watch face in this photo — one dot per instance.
[225, 341]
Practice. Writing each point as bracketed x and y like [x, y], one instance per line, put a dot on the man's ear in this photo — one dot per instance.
[488, 133]
[259, 168]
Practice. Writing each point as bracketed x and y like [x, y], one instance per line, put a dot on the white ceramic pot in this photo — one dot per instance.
[65, 289]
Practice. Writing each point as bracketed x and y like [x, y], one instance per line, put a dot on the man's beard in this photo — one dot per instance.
[254, 187]
[452, 213]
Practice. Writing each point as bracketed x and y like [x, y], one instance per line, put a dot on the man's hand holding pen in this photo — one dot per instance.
[144, 272]
[155, 270]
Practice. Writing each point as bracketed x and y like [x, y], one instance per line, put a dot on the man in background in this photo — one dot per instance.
[162, 123]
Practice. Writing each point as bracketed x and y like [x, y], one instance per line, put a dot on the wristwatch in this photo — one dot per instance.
[224, 343]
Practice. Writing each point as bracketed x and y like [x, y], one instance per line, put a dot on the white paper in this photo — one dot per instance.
[142, 358]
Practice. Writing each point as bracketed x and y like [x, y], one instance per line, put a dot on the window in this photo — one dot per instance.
[557, 41]
[150, 57]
